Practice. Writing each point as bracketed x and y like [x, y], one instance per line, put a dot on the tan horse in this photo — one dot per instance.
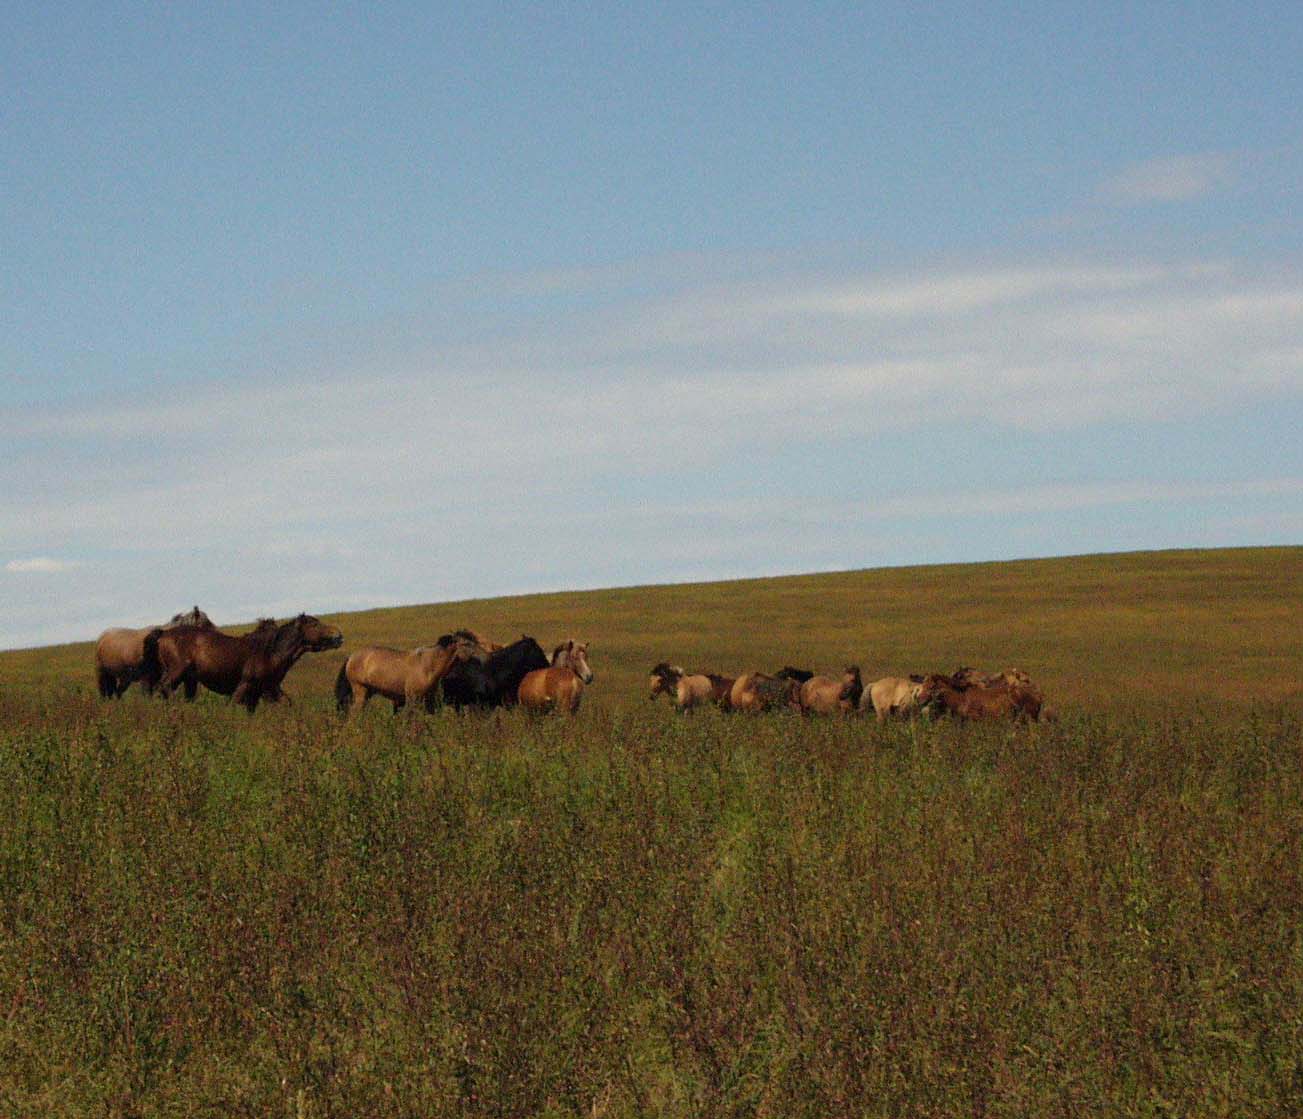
[401, 677]
[758, 691]
[828, 695]
[559, 687]
[689, 691]
[120, 655]
[892, 695]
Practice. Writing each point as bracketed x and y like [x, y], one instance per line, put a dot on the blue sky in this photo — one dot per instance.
[309, 309]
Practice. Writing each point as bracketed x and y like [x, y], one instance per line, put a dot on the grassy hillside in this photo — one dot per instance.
[634, 913]
[1224, 625]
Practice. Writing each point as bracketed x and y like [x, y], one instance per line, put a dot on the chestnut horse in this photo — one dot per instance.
[120, 654]
[829, 695]
[1002, 700]
[402, 678]
[689, 691]
[559, 687]
[248, 668]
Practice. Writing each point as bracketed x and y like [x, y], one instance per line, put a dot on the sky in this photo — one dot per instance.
[329, 308]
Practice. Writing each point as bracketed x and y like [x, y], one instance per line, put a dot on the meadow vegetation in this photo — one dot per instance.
[634, 913]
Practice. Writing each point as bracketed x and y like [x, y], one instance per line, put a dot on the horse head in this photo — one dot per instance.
[318, 635]
[664, 678]
[573, 655]
[932, 689]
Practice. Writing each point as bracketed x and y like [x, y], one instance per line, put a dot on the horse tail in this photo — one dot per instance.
[105, 681]
[151, 667]
[343, 690]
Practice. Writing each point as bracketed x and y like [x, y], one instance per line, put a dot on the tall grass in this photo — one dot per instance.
[633, 913]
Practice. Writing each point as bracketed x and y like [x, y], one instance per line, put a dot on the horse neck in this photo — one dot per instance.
[437, 661]
[286, 645]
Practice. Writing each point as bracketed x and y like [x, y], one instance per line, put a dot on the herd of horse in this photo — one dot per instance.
[464, 669]
[966, 693]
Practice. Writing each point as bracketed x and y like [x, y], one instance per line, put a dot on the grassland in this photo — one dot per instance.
[630, 914]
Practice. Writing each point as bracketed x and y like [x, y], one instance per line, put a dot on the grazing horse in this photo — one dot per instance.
[828, 695]
[248, 668]
[689, 691]
[400, 677]
[120, 654]
[758, 691]
[892, 695]
[495, 681]
[1001, 700]
[560, 687]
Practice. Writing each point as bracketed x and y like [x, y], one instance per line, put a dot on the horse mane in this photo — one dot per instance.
[670, 673]
[264, 634]
[787, 672]
[284, 638]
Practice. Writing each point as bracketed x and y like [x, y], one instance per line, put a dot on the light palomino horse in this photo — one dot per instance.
[892, 695]
[120, 655]
[559, 687]
[829, 695]
[689, 690]
[758, 691]
[401, 677]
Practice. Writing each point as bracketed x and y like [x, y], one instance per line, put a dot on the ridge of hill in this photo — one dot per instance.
[1219, 624]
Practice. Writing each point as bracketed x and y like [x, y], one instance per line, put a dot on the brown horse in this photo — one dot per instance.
[248, 668]
[828, 695]
[892, 695]
[559, 687]
[402, 678]
[758, 691]
[1002, 700]
[120, 654]
[689, 691]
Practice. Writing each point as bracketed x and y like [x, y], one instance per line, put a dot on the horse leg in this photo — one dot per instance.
[246, 695]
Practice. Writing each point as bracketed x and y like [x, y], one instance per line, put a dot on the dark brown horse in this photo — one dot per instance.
[248, 668]
[120, 654]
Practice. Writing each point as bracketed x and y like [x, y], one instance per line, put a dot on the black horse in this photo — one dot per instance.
[493, 683]
[787, 672]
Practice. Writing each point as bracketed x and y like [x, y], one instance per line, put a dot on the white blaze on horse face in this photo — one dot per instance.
[579, 663]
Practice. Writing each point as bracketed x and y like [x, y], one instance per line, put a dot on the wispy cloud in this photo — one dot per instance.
[472, 469]
[40, 565]
[1178, 178]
